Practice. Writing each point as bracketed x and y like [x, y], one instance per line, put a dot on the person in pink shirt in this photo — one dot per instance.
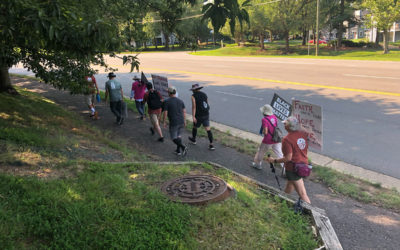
[269, 123]
[138, 91]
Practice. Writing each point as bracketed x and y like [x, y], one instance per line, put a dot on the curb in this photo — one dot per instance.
[324, 161]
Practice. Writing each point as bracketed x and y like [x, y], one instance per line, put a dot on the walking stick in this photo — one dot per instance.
[273, 171]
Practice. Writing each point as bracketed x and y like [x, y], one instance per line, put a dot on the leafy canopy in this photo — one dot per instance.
[59, 39]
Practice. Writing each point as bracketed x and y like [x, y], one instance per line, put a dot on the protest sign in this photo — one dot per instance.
[160, 83]
[281, 108]
[310, 118]
[143, 79]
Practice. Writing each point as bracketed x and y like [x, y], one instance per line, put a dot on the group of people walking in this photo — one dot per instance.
[159, 109]
[293, 148]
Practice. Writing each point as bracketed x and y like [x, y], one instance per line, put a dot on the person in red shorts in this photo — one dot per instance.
[294, 149]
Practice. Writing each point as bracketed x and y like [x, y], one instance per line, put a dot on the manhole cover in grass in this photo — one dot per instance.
[197, 189]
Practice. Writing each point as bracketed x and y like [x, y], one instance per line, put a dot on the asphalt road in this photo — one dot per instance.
[360, 99]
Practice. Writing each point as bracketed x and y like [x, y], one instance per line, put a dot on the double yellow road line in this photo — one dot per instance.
[278, 81]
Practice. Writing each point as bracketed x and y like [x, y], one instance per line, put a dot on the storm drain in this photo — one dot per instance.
[197, 189]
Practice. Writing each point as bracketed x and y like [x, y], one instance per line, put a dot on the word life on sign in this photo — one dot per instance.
[310, 118]
[281, 108]
[160, 84]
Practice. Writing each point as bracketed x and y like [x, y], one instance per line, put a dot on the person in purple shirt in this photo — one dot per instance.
[269, 123]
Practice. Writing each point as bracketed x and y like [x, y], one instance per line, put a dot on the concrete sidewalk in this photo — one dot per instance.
[325, 161]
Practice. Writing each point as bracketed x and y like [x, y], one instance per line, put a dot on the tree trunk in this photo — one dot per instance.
[287, 42]
[340, 29]
[377, 38]
[166, 37]
[304, 37]
[262, 41]
[385, 42]
[5, 82]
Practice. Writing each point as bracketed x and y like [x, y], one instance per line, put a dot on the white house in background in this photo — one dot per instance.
[361, 31]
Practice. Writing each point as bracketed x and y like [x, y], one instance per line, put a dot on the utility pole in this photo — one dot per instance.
[317, 42]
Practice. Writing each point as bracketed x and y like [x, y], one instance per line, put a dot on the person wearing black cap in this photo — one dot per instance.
[174, 108]
[114, 90]
[200, 113]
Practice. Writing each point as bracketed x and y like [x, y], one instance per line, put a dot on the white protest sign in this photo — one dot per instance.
[160, 84]
[310, 117]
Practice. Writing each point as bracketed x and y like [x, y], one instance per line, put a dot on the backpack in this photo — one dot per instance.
[277, 135]
[154, 100]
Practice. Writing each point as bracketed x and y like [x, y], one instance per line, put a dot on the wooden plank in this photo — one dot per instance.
[326, 231]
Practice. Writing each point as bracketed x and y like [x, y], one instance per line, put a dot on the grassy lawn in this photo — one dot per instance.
[61, 187]
[276, 49]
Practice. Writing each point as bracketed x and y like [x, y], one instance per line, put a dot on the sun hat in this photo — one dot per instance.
[292, 122]
[172, 90]
[135, 78]
[111, 74]
[196, 86]
[266, 110]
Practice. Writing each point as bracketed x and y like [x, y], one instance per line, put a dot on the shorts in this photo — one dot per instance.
[202, 120]
[175, 131]
[292, 176]
[89, 99]
[154, 118]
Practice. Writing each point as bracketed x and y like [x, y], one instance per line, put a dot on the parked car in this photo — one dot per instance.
[320, 41]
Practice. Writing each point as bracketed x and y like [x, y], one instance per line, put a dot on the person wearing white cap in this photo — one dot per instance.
[269, 123]
[294, 147]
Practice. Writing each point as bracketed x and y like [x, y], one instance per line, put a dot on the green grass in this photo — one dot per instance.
[53, 195]
[276, 49]
[34, 131]
[358, 189]
[121, 206]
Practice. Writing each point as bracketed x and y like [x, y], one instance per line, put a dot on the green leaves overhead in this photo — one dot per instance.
[59, 40]
[220, 11]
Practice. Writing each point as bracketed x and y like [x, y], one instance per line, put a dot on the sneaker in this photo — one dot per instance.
[298, 206]
[152, 131]
[184, 152]
[121, 121]
[177, 152]
[192, 140]
[141, 118]
[161, 139]
[211, 147]
[256, 166]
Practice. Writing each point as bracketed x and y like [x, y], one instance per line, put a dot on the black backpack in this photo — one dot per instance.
[154, 100]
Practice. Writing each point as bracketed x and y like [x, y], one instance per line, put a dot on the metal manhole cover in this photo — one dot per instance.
[196, 189]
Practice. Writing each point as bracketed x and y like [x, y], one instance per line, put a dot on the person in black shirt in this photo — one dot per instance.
[174, 108]
[200, 113]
